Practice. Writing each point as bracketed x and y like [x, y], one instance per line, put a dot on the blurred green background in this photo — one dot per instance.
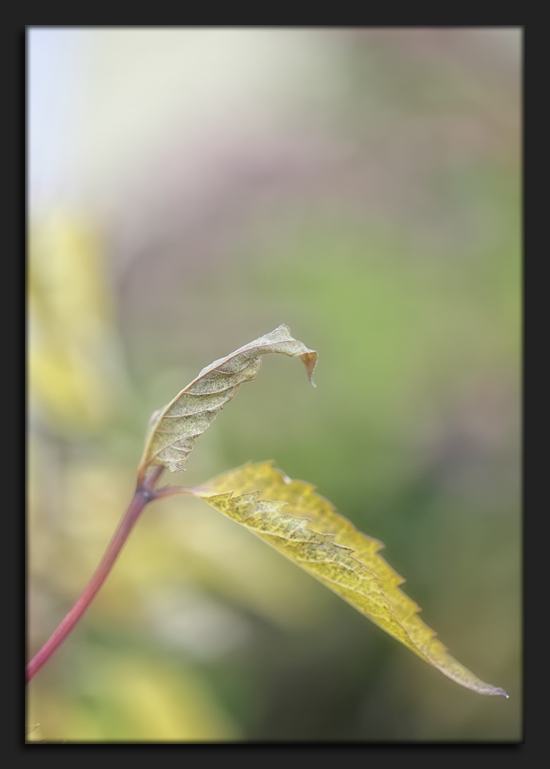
[190, 190]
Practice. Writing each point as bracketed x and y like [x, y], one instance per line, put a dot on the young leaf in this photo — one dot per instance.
[291, 517]
[174, 429]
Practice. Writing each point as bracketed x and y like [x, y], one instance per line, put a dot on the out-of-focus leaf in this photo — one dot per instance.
[134, 698]
[291, 517]
[174, 429]
[74, 366]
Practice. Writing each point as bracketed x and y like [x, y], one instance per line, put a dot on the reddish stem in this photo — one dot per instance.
[144, 493]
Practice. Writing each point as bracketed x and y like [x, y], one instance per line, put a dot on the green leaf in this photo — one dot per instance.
[174, 429]
[305, 527]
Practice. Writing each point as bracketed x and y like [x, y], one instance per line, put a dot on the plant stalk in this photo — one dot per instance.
[144, 494]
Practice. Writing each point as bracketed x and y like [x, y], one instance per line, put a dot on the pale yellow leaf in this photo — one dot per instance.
[305, 527]
[174, 429]
[75, 375]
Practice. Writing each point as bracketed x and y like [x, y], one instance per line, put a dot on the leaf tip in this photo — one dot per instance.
[310, 361]
[502, 693]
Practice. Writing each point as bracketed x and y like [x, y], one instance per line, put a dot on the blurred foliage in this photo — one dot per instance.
[382, 224]
[72, 364]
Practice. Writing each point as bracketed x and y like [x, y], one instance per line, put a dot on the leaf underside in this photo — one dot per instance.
[305, 527]
[174, 429]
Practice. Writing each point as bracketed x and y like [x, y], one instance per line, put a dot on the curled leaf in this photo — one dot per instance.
[305, 527]
[174, 429]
